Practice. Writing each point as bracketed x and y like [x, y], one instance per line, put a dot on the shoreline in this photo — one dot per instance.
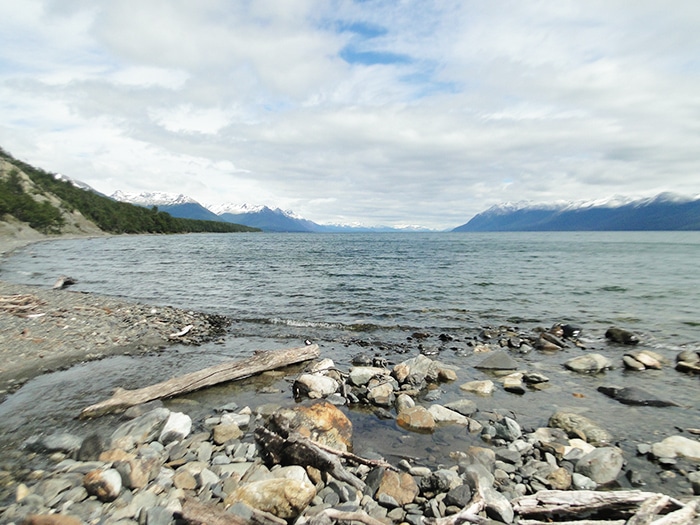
[43, 330]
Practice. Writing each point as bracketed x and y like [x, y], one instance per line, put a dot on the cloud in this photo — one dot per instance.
[375, 112]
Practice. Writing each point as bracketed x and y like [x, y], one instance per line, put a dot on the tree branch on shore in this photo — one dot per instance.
[261, 361]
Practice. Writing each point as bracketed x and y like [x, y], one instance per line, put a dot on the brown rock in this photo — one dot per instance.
[322, 422]
[138, 472]
[116, 454]
[417, 418]
[400, 486]
[184, 479]
[560, 479]
[105, 485]
[446, 374]
[226, 432]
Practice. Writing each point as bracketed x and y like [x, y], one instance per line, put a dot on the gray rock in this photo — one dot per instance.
[576, 425]
[142, 429]
[57, 442]
[581, 482]
[694, 478]
[361, 375]
[602, 465]
[443, 415]
[463, 406]
[459, 496]
[633, 395]
[158, 516]
[508, 429]
[314, 386]
[588, 364]
[482, 388]
[177, 427]
[499, 360]
[620, 335]
[91, 448]
[674, 446]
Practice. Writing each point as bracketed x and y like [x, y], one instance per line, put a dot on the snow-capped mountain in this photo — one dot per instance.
[666, 211]
[77, 183]
[236, 209]
[152, 198]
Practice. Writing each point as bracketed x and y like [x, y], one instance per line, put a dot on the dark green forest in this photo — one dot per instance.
[109, 215]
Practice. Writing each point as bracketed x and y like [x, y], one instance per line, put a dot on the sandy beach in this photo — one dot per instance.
[42, 329]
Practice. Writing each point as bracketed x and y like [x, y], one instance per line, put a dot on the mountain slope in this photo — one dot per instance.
[56, 204]
[663, 212]
[177, 205]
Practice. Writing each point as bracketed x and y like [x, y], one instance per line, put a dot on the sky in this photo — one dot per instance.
[373, 112]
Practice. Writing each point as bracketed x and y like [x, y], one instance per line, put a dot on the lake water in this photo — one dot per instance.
[370, 292]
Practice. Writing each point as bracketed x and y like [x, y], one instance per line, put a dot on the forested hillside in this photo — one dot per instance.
[43, 201]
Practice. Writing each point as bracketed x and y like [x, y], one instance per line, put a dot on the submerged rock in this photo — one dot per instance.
[620, 335]
[483, 388]
[633, 395]
[499, 360]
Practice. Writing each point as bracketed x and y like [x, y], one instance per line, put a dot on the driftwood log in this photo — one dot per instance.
[632, 507]
[261, 361]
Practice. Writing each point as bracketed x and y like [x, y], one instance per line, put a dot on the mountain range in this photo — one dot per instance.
[255, 216]
[666, 211]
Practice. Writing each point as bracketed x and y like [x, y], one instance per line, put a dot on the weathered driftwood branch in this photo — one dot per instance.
[298, 450]
[261, 361]
[683, 516]
[556, 505]
[468, 514]
[63, 281]
[358, 516]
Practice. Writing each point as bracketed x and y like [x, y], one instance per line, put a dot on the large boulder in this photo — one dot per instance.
[315, 386]
[142, 429]
[499, 360]
[321, 422]
[283, 497]
[602, 465]
[399, 486]
[576, 425]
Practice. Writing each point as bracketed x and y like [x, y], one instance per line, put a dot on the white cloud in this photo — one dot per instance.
[344, 111]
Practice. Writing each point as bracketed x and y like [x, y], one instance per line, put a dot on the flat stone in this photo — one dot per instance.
[142, 429]
[443, 415]
[588, 364]
[465, 407]
[482, 388]
[223, 433]
[498, 360]
[633, 395]
[576, 425]
[674, 446]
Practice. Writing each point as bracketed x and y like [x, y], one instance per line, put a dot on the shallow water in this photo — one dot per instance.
[354, 293]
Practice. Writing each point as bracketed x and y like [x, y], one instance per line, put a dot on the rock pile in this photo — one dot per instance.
[296, 464]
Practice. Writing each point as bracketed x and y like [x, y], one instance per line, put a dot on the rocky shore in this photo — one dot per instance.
[277, 463]
[280, 464]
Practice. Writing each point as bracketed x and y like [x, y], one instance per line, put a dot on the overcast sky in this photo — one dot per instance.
[373, 112]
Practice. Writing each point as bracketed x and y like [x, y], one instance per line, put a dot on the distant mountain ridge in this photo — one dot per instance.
[255, 216]
[666, 211]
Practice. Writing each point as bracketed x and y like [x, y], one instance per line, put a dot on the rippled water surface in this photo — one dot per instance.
[371, 292]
